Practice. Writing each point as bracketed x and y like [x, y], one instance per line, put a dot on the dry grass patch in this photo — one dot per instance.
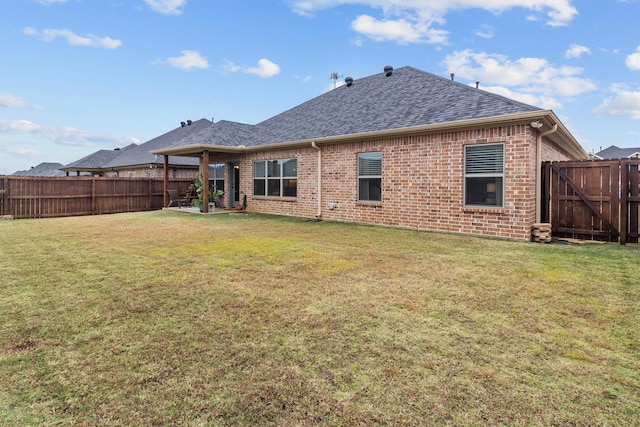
[165, 318]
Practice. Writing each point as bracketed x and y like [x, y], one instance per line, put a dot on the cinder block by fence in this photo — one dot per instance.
[541, 232]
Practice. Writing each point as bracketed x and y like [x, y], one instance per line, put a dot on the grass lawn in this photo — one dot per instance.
[169, 318]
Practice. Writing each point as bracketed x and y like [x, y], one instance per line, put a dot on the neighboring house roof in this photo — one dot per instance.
[140, 154]
[407, 100]
[614, 152]
[43, 169]
[96, 161]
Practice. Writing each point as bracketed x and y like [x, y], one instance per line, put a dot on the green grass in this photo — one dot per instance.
[168, 318]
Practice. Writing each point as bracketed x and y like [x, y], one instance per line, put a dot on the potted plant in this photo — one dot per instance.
[214, 192]
[198, 184]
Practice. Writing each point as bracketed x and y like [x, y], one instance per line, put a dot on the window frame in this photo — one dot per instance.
[216, 175]
[368, 178]
[489, 179]
[275, 178]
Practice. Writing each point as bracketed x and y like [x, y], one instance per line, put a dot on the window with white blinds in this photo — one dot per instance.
[370, 176]
[484, 175]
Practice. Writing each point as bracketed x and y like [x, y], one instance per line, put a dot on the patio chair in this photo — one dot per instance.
[174, 197]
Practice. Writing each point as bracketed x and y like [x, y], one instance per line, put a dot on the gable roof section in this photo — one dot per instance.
[222, 133]
[43, 169]
[614, 152]
[141, 154]
[407, 98]
[96, 161]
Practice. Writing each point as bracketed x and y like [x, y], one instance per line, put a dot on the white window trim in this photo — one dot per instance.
[281, 178]
[369, 177]
[483, 175]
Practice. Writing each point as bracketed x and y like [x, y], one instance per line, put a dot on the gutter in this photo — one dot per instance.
[319, 184]
[538, 171]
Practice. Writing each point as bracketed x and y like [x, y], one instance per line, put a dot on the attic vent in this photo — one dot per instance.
[182, 124]
[189, 122]
[388, 70]
[349, 81]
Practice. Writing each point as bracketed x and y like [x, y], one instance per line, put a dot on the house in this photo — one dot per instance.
[43, 169]
[402, 148]
[614, 152]
[94, 164]
[136, 161]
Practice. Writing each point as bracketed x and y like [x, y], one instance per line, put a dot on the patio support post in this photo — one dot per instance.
[166, 180]
[204, 168]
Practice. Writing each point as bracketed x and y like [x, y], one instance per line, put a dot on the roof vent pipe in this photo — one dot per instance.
[189, 122]
[349, 81]
[452, 76]
[477, 84]
[182, 124]
[388, 70]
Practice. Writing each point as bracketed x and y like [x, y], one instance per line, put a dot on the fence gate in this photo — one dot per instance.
[592, 200]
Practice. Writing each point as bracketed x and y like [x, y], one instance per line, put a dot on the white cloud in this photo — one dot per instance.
[532, 76]
[189, 59]
[485, 31]
[399, 30]
[12, 101]
[265, 68]
[412, 21]
[73, 39]
[65, 135]
[48, 2]
[541, 101]
[624, 103]
[576, 51]
[633, 60]
[167, 7]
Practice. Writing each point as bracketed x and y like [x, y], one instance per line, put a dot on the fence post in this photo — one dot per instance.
[624, 202]
[93, 195]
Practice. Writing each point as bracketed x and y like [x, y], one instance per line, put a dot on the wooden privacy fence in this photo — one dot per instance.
[593, 200]
[42, 197]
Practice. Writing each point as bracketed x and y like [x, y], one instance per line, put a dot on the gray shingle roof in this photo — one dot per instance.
[97, 160]
[409, 97]
[614, 152]
[222, 133]
[140, 154]
[43, 169]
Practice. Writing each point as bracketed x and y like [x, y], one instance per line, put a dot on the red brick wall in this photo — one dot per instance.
[422, 182]
[157, 172]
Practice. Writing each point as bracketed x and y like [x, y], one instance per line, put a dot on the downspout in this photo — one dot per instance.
[319, 184]
[538, 171]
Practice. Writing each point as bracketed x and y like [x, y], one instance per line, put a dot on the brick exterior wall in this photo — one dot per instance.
[422, 182]
[157, 172]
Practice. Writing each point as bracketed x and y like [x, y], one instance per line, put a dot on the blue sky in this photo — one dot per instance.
[77, 76]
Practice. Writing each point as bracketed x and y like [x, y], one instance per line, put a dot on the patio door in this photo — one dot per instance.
[234, 178]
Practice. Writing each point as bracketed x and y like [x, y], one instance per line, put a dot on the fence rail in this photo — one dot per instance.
[42, 197]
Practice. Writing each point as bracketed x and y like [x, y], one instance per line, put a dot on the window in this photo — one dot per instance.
[484, 175]
[216, 176]
[370, 176]
[277, 178]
